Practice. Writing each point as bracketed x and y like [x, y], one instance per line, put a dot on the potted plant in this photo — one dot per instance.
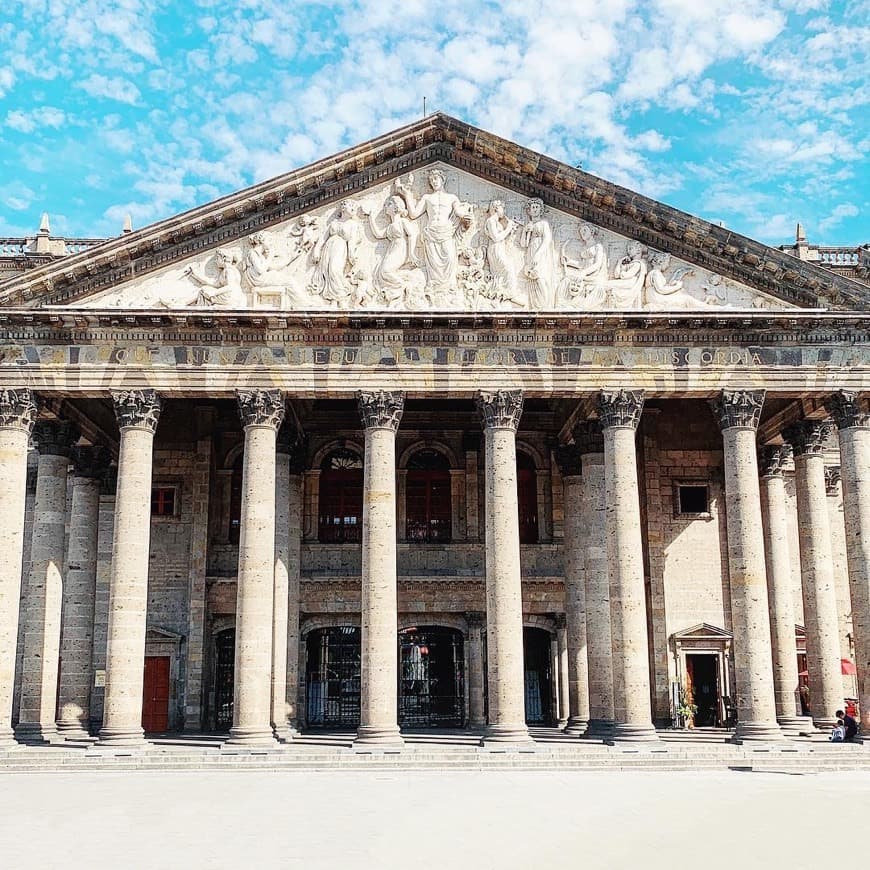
[686, 710]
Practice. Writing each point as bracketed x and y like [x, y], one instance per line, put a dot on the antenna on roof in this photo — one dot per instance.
[424, 107]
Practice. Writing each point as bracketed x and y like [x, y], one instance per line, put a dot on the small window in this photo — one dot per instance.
[163, 501]
[693, 499]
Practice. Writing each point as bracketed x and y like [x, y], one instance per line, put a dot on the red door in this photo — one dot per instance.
[155, 694]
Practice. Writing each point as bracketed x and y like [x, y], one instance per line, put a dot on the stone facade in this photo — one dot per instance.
[516, 513]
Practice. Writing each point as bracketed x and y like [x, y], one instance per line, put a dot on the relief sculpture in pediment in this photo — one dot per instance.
[416, 245]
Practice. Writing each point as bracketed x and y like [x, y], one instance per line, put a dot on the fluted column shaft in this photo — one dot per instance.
[476, 715]
[779, 590]
[381, 413]
[500, 413]
[138, 412]
[620, 414]
[575, 538]
[262, 412]
[853, 424]
[44, 597]
[817, 570]
[738, 414]
[17, 413]
[281, 591]
[79, 594]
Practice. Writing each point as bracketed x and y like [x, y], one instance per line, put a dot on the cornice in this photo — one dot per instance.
[436, 138]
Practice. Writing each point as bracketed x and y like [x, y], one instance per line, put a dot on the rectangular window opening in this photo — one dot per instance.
[693, 499]
[163, 501]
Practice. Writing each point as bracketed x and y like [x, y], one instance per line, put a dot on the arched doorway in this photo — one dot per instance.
[538, 676]
[332, 677]
[224, 678]
[431, 677]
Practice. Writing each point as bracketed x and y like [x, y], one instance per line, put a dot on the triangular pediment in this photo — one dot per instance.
[703, 631]
[371, 229]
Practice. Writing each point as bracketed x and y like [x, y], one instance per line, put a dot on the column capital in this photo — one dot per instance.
[561, 620]
[808, 437]
[832, 478]
[137, 409]
[18, 409]
[500, 409]
[620, 408]
[589, 437]
[91, 462]
[55, 437]
[772, 459]
[848, 410]
[568, 460]
[738, 409]
[380, 409]
[261, 408]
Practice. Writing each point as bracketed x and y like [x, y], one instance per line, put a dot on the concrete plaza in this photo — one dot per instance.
[459, 819]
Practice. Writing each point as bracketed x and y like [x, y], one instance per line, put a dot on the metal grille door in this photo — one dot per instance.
[333, 677]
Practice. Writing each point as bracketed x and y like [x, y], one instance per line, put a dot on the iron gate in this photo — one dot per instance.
[224, 678]
[332, 677]
[538, 676]
[432, 689]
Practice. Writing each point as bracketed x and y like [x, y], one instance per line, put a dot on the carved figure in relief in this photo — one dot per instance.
[626, 286]
[224, 291]
[585, 281]
[662, 292]
[445, 214]
[539, 269]
[392, 277]
[256, 261]
[304, 233]
[499, 230]
[335, 257]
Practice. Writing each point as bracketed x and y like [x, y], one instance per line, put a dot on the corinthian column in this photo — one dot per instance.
[294, 555]
[77, 639]
[43, 600]
[807, 439]
[738, 413]
[779, 590]
[619, 413]
[575, 538]
[262, 412]
[500, 414]
[138, 412]
[853, 425]
[17, 414]
[599, 644]
[381, 413]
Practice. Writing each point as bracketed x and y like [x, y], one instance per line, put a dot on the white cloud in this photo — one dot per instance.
[116, 88]
[39, 118]
[838, 215]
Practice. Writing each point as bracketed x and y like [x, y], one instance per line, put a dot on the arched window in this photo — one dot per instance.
[428, 510]
[341, 498]
[527, 498]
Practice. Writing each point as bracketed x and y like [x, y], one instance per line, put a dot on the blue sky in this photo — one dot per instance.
[753, 113]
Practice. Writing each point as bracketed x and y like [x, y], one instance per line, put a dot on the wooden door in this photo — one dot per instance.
[155, 694]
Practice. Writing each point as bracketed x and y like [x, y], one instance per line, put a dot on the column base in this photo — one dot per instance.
[625, 733]
[576, 726]
[8, 743]
[250, 738]
[126, 738]
[756, 732]
[600, 728]
[73, 731]
[282, 733]
[378, 738]
[36, 734]
[499, 737]
[796, 726]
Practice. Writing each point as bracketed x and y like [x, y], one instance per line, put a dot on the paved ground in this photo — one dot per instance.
[426, 819]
